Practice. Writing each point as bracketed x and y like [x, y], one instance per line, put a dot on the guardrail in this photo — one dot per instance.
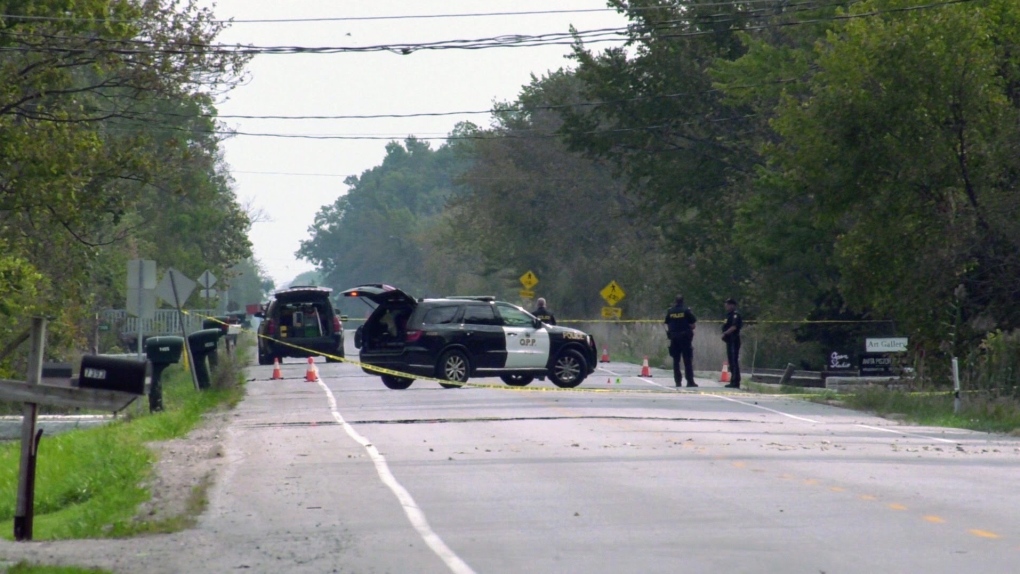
[166, 322]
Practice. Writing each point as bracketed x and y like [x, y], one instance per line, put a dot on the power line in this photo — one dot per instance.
[630, 9]
[596, 36]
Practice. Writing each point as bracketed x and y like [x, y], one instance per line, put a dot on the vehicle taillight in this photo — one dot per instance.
[413, 336]
[270, 327]
[337, 327]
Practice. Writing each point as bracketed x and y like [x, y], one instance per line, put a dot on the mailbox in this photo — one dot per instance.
[221, 323]
[162, 352]
[203, 347]
[115, 374]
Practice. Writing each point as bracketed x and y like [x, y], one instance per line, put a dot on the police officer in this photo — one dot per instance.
[544, 314]
[680, 330]
[731, 335]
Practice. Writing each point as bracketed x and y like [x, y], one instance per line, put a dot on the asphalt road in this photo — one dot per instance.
[347, 476]
[629, 476]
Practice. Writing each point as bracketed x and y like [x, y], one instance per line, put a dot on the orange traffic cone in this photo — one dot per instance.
[277, 373]
[312, 374]
[645, 371]
[605, 355]
[724, 376]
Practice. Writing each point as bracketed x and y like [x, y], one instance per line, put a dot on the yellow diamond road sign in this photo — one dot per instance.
[612, 293]
[529, 280]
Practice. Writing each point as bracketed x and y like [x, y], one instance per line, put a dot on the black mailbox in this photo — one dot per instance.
[114, 374]
[203, 346]
[221, 323]
[162, 352]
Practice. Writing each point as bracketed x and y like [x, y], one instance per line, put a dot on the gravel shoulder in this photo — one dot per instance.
[185, 469]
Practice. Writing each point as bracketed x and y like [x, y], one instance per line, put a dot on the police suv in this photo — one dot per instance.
[455, 338]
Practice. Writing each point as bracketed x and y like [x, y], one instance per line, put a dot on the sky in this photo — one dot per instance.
[287, 181]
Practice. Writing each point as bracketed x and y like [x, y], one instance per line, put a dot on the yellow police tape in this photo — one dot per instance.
[385, 371]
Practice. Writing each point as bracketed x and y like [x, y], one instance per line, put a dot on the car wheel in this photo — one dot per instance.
[454, 366]
[517, 380]
[396, 383]
[568, 370]
[264, 359]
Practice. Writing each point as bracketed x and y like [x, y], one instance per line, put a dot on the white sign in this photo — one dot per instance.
[206, 279]
[141, 303]
[175, 287]
[141, 274]
[886, 345]
[141, 282]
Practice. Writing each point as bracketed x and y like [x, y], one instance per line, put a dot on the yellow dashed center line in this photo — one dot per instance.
[895, 506]
[837, 489]
[811, 481]
[935, 519]
[984, 534]
[739, 464]
[867, 497]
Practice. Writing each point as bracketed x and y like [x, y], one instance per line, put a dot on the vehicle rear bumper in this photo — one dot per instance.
[299, 347]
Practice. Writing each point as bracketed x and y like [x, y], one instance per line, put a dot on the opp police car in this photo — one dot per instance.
[455, 338]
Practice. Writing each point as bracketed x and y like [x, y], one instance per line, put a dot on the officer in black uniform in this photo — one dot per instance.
[731, 335]
[680, 330]
[544, 314]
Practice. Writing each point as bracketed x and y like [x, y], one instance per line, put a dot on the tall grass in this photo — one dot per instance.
[978, 411]
[89, 482]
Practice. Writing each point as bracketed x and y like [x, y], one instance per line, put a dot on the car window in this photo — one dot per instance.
[480, 315]
[440, 316]
[514, 317]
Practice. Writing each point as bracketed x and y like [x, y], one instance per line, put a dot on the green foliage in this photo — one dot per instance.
[108, 154]
[981, 413]
[896, 158]
[373, 233]
[89, 482]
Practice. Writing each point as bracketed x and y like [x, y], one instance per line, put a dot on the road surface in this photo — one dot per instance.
[345, 475]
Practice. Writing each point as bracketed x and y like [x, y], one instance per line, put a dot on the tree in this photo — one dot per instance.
[108, 150]
[372, 234]
[898, 160]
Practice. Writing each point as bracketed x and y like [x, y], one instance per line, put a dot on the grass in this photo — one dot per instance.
[977, 412]
[26, 568]
[90, 482]
[980, 412]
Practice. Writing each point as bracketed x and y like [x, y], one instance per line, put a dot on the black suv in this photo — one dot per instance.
[458, 337]
[300, 322]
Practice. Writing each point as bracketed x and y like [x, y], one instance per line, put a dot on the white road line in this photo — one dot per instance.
[894, 431]
[411, 509]
[724, 398]
[768, 409]
[650, 382]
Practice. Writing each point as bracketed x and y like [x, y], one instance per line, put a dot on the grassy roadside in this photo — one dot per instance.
[89, 482]
[978, 412]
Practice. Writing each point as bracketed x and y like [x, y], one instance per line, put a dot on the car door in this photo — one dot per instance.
[482, 335]
[527, 346]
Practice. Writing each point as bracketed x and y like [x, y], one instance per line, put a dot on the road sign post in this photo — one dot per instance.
[29, 438]
[175, 288]
[141, 300]
[207, 280]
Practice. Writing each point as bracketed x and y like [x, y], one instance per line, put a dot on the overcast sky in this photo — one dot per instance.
[291, 179]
